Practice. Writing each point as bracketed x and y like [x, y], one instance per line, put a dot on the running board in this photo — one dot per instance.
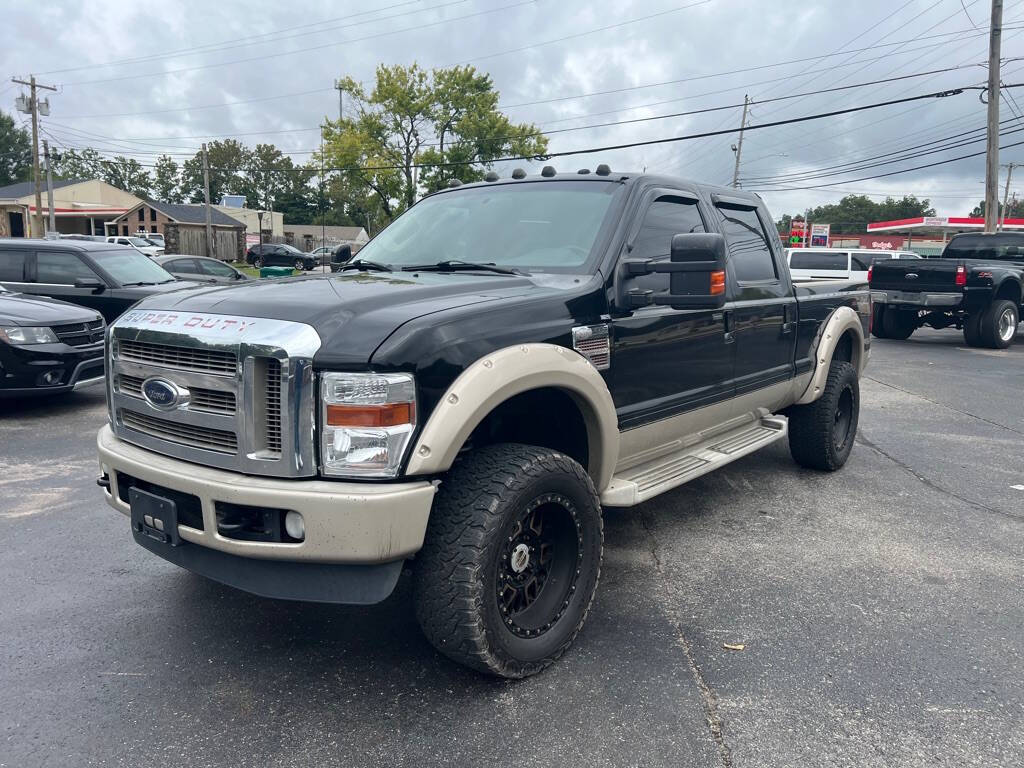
[645, 481]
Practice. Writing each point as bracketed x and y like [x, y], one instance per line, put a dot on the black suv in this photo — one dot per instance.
[47, 346]
[99, 276]
[280, 255]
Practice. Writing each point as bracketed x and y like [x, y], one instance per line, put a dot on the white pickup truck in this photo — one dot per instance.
[837, 263]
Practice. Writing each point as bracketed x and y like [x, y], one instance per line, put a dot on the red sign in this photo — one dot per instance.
[797, 234]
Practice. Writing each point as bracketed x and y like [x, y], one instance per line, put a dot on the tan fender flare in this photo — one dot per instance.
[493, 379]
[839, 322]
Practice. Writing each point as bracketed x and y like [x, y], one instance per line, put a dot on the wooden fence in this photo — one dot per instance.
[228, 244]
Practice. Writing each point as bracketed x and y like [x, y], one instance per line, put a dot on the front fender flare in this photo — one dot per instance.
[495, 378]
[843, 319]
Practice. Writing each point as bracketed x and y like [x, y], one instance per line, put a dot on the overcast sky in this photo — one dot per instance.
[188, 61]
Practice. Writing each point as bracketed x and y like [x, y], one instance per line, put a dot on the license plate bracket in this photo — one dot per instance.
[154, 516]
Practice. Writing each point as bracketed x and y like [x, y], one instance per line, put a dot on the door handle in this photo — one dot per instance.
[787, 325]
[727, 324]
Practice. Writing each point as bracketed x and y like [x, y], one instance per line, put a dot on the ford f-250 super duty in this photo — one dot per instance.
[975, 285]
[498, 364]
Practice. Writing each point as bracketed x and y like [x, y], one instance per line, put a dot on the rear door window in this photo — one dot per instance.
[61, 268]
[861, 261]
[818, 260]
[215, 268]
[12, 266]
[185, 266]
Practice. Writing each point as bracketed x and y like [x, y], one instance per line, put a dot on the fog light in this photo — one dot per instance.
[50, 378]
[294, 526]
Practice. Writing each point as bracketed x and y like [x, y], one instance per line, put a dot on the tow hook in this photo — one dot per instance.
[103, 481]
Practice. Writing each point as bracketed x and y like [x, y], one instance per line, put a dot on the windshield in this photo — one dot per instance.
[128, 267]
[1008, 246]
[291, 249]
[540, 226]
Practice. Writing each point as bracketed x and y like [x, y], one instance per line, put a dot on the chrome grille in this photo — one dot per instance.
[80, 334]
[213, 361]
[204, 438]
[212, 400]
[273, 406]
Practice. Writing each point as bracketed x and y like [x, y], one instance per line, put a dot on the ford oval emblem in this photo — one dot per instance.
[163, 394]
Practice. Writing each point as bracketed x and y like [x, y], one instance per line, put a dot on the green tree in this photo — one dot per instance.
[297, 200]
[266, 176]
[1014, 211]
[387, 138]
[71, 164]
[166, 181]
[127, 174]
[15, 152]
[852, 214]
[229, 161]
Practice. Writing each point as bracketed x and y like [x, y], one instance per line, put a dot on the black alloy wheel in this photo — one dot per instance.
[822, 433]
[258, 262]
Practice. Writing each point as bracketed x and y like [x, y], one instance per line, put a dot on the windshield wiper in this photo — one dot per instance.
[454, 265]
[366, 264]
[140, 282]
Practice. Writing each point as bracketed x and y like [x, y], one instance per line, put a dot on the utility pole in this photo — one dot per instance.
[341, 102]
[1006, 195]
[206, 197]
[33, 107]
[738, 147]
[49, 187]
[995, 33]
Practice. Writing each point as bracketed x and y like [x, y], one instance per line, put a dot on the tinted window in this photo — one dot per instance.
[60, 268]
[12, 265]
[666, 216]
[1007, 246]
[749, 252]
[185, 266]
[216, 268]
[800, 259]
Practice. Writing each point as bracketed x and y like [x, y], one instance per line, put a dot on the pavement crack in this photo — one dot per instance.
[944, 405]
[708, 699]
[862, 439]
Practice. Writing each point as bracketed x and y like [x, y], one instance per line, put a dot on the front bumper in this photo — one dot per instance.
[22, 368]
[346, 523]
[917, 299]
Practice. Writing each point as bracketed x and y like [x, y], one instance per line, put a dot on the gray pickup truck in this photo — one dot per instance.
[464, 397]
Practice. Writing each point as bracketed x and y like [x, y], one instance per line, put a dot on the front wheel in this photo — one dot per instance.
[998, 324]
[821, 433]
[511, 559]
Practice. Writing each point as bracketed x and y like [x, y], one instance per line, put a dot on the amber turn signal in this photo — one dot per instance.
[387, 415]
[717, 283]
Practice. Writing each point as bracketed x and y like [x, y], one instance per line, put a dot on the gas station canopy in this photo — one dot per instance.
[943, 224]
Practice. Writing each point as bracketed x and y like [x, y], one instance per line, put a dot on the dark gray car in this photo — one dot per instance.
[200, 268]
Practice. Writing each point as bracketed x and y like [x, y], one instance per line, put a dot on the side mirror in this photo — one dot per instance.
[696, 272]
[93, 284]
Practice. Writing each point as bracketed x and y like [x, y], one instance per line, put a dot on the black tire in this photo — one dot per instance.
[898, 324]
[972, 330]
[496, 512]
[997, 326]
[878, 321]
[821, 434]
[258, 262]
[299, 265]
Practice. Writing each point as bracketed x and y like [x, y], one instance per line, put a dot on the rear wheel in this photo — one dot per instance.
[898, 324]
[511, 559]
[821, 433]
[998, 324]
[257, 262]
[878, 321]
[972, 330]
[300, 265]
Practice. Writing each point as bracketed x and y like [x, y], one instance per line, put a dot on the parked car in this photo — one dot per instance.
[279, 255]
[628, 334]
[200, 268]
[47, 346]
[323, 254]
[837, 263]
[141, 244]
[99, 276]
[93, 238]
[154, 237]
[976, 285]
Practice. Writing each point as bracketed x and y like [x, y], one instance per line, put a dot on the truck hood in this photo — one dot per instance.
[20, 309]
[353, 312]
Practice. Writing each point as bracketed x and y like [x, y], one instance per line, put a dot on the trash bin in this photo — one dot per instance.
[275, 271]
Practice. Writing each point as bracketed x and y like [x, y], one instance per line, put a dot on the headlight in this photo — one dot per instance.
[30, 334]
[367, 422]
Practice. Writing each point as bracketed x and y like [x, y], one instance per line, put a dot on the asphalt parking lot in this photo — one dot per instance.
[881, 610]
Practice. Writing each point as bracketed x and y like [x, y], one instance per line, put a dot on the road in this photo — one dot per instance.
[880, 610]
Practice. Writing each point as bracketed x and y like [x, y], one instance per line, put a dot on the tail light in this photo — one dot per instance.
[961, 275]
[870, 270]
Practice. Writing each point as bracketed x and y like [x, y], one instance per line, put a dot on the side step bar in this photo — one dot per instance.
[645, 481]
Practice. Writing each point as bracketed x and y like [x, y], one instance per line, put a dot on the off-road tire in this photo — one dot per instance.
[460, 568]
[972, 330]
[898, 324]
[989, 325]
[878, 321]
[814, 428]
[258, 262]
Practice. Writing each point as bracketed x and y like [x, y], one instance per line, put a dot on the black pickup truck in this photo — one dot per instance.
[975, 285]
[498, 364]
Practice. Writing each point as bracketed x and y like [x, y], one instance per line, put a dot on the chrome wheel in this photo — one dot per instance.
[1008, 324]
